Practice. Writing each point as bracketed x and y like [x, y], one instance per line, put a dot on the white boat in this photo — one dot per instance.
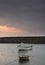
[24, 47]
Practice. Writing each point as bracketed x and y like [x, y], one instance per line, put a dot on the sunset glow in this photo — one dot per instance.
[5, 30]
[9, 29]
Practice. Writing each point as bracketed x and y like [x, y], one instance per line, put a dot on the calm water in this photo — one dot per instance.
[9, 55]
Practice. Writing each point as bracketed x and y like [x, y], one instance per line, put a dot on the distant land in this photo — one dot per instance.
[29, 40]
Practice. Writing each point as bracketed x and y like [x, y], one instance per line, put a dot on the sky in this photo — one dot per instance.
[22, 18]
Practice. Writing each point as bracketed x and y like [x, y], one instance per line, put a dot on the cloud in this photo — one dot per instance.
[23, 27]
[5, 30]
[25, 15]
[11, 31]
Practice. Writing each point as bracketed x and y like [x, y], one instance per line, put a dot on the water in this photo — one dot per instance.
[9, 55]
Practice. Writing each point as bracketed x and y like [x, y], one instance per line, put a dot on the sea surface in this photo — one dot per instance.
[9, 55]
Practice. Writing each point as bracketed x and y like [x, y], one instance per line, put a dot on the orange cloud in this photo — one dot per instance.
[11, 31]
[5, 30]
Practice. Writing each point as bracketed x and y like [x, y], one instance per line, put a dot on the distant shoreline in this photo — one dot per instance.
[29, 40]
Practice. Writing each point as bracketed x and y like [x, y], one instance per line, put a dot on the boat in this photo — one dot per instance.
[24, 58]
[24, 47]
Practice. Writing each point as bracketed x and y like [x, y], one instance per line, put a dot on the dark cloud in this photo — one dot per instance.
[25, 14]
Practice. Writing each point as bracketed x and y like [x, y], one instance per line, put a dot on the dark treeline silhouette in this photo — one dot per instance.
[32, 40]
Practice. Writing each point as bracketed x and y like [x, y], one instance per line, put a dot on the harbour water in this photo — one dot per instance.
[9, 55]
